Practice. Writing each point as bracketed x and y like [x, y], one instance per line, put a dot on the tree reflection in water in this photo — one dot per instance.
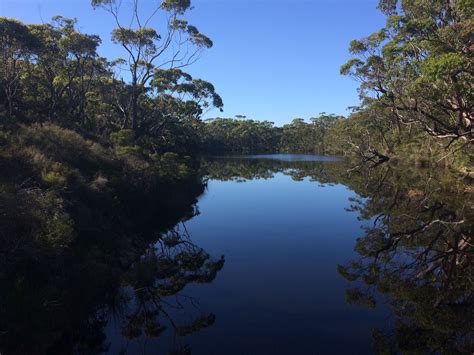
[161, 272]
[416, 253]
[59, 291]
[57, 296]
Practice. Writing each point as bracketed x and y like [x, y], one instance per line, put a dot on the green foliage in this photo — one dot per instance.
[415, 73]
[227, 135]
[180, 6]
[53, 178]
[246, 136]
[54, 74]
[302, 137]
[147, 53]
[124, 137]
[137, 38]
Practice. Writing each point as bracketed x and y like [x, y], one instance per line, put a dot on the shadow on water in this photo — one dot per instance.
[128, 269]
[127, 265]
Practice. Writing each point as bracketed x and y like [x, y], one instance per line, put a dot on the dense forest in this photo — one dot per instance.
[85, 138]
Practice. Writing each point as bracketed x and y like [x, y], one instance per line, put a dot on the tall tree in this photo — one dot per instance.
[147, 50]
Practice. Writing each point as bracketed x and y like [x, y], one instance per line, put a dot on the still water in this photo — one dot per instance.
[319, 258]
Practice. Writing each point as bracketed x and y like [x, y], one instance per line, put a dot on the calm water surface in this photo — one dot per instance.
[284, 223]
[279, 291]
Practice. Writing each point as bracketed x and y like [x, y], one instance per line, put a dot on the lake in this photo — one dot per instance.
[318, 258]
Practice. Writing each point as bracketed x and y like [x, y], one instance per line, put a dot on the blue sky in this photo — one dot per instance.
[272, 59]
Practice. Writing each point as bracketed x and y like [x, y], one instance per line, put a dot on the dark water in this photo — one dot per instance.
[282, 254]
[279, 291]
[309, 265]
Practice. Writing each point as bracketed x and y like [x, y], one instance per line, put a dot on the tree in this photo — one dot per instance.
[66, 64]
[420, 66]
[147, 51]
[322, 124]
[18, 46]
[239, 135]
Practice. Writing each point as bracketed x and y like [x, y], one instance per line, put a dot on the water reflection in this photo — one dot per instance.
[60, 296]
[152, 287]
[241, 168]
[419, 253]
[121, 281]
[416, 253]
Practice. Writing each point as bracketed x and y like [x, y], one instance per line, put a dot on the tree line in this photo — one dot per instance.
[244, 136]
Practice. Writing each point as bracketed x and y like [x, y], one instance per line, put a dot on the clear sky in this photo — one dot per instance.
[272, 59]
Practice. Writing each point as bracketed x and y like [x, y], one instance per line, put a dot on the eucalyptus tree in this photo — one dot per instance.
[296, 136]
[420, 66]
[321, 125]
[64, 68]
[304, 137]
[148, 52]
[239, 135]
[18, 46]
[47, 69]
[178, 103]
